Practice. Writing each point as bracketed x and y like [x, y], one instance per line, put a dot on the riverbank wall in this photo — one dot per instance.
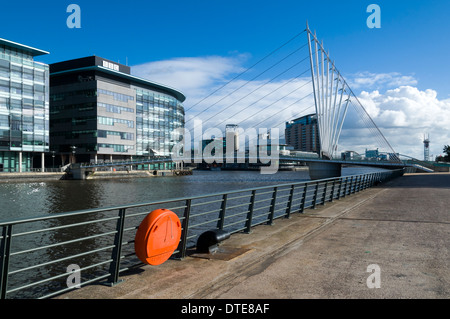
[55, 176]
[31, 177]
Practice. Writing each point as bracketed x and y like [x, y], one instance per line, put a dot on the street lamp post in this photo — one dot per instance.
[73, 147]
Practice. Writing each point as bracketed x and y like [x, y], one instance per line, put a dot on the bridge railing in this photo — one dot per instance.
[41, 257]
[236, 159]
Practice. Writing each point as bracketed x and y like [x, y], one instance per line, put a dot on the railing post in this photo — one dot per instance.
[340, 187]
[248, 224]
[114, 268]
[302, 204]
[289, 204]
[272, 206]
[332, 190]
[185, 226]
[351, 186]
[223, 208]
[5, 251]
[315, 195]
[324, 193]
[346, 186]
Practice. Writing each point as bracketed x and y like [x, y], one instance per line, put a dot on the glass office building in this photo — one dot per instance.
[24, 107]
[100, 112]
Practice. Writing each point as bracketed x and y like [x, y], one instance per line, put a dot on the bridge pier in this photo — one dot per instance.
[321, 170]
[78, 172]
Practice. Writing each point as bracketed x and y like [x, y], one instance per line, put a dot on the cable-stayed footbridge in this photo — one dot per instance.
[296, 79]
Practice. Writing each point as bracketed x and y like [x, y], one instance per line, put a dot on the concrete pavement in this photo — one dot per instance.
[402, 226]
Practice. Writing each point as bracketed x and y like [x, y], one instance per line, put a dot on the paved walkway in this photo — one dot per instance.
[402, 226]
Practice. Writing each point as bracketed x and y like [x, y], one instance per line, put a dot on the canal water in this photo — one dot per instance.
[23, 200]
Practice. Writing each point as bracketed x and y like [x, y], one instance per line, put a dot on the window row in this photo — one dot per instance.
[82, 107]
[62, 96]
[23, 139]
[118, 148]
[19, 104]
[25, 123]
[111, 121]
[8, 52]
[115, 108]
[117, 96]
[25, 89]
[123, 135]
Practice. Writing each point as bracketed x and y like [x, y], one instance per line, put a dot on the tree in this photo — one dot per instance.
[447, 153]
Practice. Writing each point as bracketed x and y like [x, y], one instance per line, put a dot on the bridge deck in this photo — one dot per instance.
[260, 159]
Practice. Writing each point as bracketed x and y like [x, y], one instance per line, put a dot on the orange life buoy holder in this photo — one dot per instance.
[157, 236]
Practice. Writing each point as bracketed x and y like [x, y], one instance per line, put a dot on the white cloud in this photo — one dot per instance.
[367, 80]
[405, 114]
[194, 76]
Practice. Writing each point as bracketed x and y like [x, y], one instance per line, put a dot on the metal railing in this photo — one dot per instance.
[37, 170]
[38, 255]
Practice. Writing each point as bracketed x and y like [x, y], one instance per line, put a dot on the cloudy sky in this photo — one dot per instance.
[206, 49]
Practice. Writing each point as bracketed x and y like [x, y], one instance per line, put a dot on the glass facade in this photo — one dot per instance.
[157, 115]
[110, 115]
[24, 107]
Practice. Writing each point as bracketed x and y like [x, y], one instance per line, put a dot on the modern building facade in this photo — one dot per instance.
[303, 134]
[100, 112]
[372, 154]
[24, 107]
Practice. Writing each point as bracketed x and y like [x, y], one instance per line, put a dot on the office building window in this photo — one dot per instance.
[111, 121]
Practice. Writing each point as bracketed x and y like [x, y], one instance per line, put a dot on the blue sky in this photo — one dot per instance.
[214, 40]
[413, 38]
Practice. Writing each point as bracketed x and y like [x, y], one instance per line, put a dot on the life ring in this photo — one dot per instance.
[157, 236]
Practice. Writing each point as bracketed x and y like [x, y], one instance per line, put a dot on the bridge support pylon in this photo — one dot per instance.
[321, 170]
[78, 172]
